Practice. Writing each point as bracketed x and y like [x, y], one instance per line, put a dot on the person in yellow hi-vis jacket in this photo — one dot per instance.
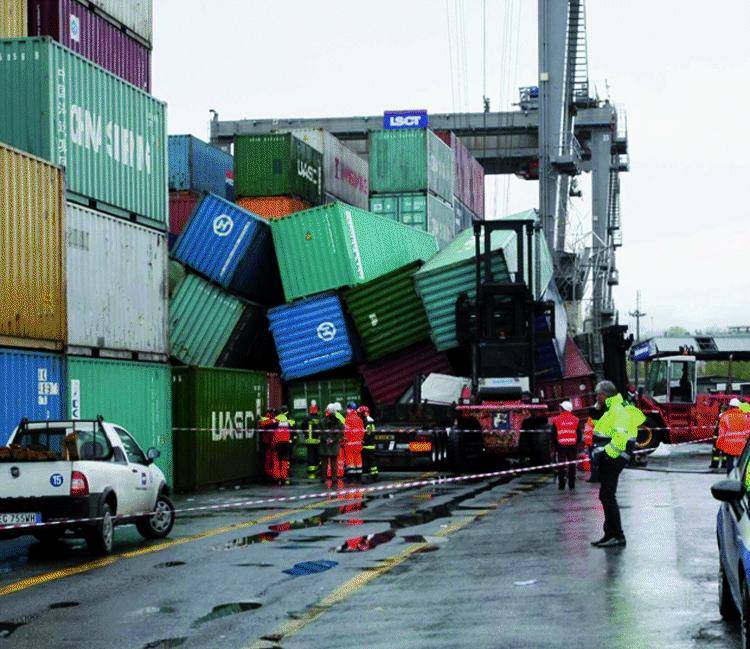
[369, 465]
[312, 440]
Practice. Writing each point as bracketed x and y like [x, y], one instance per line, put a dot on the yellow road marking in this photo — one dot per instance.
[356, 583]
[47, 577]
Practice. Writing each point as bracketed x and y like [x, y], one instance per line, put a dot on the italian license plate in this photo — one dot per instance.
[20, 518]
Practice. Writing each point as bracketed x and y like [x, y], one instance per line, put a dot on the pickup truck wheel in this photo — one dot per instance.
[100, 538]
[160, 523]
[727, 607]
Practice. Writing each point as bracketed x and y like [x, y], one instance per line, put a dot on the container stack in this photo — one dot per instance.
[412, 180]
[84, 332]
[468, 190]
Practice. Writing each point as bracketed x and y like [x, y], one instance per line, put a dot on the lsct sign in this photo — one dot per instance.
[398, 119]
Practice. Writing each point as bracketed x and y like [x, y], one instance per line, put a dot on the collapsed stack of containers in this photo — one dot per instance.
[412, 180]
[84, 332]
[468, 189]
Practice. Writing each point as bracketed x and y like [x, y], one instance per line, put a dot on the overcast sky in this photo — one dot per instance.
[679, 68]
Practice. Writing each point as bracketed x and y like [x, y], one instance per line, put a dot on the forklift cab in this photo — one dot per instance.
[672, 380]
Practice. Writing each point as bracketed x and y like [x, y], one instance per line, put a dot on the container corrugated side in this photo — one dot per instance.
[390, 377]
[469, 173]
[345, 174]
[31, 385]
[275, 390]
[202, 318]
[32, 251]
[301, 394]
[117, 283]
[277, 164]
[232, 247]
[109, 135]
[76, 26]
[311, 336]
[181, 206]
[338, 245]
[215, 413]
[137, 16]
[421, 210]
[137, 396]
[13, 19]
[195, 165]
[387, 313]
[272, 207]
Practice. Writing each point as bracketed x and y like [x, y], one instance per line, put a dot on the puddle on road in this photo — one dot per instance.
[166, 643]
[244, 541]
[365, 543]
[57, 605]
[151, 610]
[312, 539]
[254, 565]
[310, 567]
[170, 564]
[225, 610]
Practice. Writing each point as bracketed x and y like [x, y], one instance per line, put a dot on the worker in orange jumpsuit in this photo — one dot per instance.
[331, 458]
[267, 423]
[734, 429]
[565, 428]
[354, 436]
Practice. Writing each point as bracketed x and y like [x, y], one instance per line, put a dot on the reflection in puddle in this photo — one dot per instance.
[310, 567]
[169, 564]
[63, 605]
[225, 610]
[365, 543]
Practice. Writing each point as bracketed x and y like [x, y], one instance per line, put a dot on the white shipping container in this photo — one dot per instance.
[136, 15]
[345, 174]
[117, 283]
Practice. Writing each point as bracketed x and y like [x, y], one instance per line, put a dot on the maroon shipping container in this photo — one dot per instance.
[469, 185]
[388, 378]
[275, 391]
[181, 206]
[90, 35]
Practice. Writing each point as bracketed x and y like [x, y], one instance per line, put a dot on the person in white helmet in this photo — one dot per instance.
[734, 429]
[566, 431]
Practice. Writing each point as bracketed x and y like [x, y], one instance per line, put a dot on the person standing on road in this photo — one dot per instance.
[330, 444]
[734, 429]
[369, 466]
[620, 423]
[312, 440]
[566, 432]
[354, 435]
[281, 446]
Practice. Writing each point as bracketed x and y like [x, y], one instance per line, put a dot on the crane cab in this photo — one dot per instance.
[672, 380]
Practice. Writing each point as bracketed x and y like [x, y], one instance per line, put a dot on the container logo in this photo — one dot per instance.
[326, 331]
[373, 319]
[308, 171]
[56, 480]
[223, 225]
[227, 425]
[351, 176]
[75, 399]
[398, 119]
[75, 28]
[45, 387]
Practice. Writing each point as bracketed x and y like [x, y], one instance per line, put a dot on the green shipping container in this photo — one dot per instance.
[301, 394]
[177, 273]
[136, 396]
[423, 210]
[277, 165]
[387, 313]
[337, 245]
[110, 136]
[452, 271]
[412, 160]
[215, 413]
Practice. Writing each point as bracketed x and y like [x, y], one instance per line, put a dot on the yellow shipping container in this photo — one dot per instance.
[13, 19]
[32, 251]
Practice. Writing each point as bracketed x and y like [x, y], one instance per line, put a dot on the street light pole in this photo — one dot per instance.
[637, 314]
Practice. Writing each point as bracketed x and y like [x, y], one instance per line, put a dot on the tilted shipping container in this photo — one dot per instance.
[32, 251]
[13, 15]
[181, 206]
[277, 164]
[301, 394]
[215, 414]
[196, 166]
[136, 16]
[411, 160]
[272, 207]
[208, 327]
[232, 247]
[109, 135]
[337, 245]
[390, 377]
[82, 30]
[422, 210]
[463, 215]
[117, 283]
[311, 336]
[31, 386]
[469, 174]
[345, 174]
[137, 396]
[388, 315]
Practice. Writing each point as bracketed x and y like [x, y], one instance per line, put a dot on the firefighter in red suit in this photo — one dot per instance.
[354, 436]
[567, 435]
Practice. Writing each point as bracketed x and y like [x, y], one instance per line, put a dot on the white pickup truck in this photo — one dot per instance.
[62, 470]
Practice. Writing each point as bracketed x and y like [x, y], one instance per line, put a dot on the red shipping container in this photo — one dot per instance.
[275, 391]
[272, 207]
[181, 206]
[88, 34]
[388, 378]
[469, 184]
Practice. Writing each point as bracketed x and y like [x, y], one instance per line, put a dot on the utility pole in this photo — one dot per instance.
[637, 314]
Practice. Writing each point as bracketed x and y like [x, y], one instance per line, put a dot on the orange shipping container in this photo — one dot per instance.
[32, 252]
[272, 207]
[13, 19]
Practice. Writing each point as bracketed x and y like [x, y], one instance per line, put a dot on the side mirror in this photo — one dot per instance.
[728, 491]
[153, 453]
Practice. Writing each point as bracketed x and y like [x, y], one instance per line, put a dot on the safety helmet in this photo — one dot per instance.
[734, 403]
[364, 411]
[567, 406]
[351, 405]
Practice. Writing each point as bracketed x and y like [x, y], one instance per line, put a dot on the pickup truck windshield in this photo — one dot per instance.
[85, 441]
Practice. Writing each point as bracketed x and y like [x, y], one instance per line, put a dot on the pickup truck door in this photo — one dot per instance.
[142, 494]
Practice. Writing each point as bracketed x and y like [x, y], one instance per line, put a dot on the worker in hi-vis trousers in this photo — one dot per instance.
[279, 451]
[734, 429]
[566, 433]
[330, 444]
[718, 457]
[369, 465]
[312, 440]
[354, 435]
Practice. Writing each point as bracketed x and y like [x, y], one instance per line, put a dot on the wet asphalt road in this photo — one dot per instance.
[481, 564]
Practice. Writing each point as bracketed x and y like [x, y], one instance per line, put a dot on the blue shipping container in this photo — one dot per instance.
[199, 167]
[31, 385]
[232, 247]
[311, 336]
